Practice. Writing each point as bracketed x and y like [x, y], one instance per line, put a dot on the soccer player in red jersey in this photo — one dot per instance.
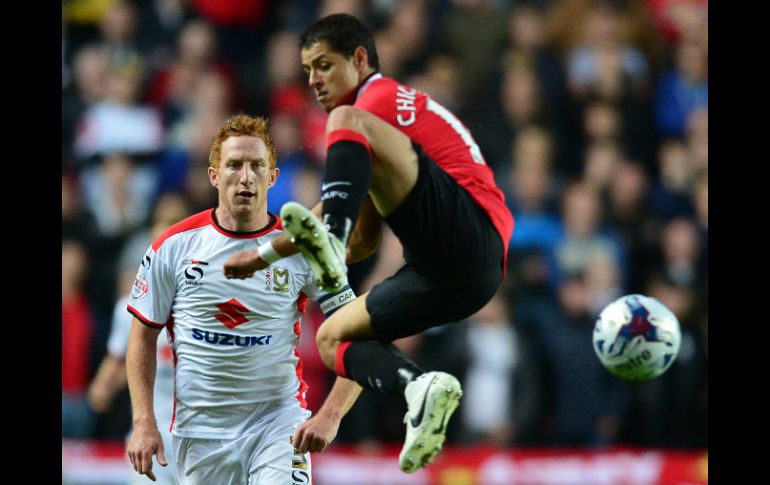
[426, 177]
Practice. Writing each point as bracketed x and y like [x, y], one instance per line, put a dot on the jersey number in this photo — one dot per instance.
[457, 125]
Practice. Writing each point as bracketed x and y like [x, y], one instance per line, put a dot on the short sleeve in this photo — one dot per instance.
[154, 288]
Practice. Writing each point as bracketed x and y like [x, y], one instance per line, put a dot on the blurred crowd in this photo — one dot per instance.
[592, 114]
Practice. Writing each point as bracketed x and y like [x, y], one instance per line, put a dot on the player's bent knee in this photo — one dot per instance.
[345, 117]
[327, 345]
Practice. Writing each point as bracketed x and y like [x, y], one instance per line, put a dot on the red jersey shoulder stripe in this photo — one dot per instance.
[193, 222]
[205, 218]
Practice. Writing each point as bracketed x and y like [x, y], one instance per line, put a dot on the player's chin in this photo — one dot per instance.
[327, 103]
[244, 209]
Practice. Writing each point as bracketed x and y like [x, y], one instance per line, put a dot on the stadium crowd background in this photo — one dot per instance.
[592, 114]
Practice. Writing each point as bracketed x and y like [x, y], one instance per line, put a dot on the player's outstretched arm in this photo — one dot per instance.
[318, 432]
[145, 439]
[244, 264]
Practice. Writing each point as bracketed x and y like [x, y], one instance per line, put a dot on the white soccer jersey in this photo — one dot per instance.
[163, 396]
[234, 341]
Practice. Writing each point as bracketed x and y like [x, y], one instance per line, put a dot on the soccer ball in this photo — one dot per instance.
[637, 338]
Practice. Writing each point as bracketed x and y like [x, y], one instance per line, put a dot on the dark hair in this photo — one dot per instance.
[344, 33]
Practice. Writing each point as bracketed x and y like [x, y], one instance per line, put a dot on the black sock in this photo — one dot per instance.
[346, 179]
[379, 366]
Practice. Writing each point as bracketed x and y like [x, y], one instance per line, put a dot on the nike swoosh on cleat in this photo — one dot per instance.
[416, 420]
[332, 184]
[442, 428]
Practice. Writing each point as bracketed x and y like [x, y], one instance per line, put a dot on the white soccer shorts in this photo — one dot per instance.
[261, 455]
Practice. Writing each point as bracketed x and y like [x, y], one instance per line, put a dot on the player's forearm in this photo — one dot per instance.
[111, 375]
[367, 234]
[140, 370]
[283, 246]
[341, 398]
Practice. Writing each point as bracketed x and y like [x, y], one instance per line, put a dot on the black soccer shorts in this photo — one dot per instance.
[453, 253]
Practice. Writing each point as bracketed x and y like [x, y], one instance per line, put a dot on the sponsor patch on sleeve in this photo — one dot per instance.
[140, 287]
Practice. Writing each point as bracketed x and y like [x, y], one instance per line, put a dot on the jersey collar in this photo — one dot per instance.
[271, 226]
[369, 80]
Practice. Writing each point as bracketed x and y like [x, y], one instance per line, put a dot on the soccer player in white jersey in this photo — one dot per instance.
[111, 378]
[239, 412]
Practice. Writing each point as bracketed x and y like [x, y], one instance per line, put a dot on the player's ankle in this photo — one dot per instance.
[338, 225]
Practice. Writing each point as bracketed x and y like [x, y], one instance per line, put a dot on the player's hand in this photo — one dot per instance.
[315, 434]
[144, 443]
[243, 265]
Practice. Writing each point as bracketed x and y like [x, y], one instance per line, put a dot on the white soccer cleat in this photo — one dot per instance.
[431, 399]
[322, 250]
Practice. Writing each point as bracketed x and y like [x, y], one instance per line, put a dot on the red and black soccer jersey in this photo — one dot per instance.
[443, 137]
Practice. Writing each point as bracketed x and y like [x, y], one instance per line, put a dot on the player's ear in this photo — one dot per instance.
[274, 172]
[214, 176]
[360, 57]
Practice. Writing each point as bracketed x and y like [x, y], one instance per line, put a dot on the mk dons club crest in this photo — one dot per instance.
[277, 279]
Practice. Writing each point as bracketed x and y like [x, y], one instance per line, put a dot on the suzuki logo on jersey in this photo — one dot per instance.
[230, 340]
[232, 313]
[193, 273]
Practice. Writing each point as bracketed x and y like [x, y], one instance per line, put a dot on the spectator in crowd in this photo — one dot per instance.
[527, 47]
[439, 80]
[119, 122]
[701, 202]
[474, 33]
[118, 29]
[119, 193]
[671, 192]
[629, 215]
[89, 73]
[77, 326]
[531, 187]
[518, 106]
[681, 252]
[697, 139]
[682, 89]
[173, 88]
[602, 64]
[409, 27]
[583, 237]
[602, 121]
[586, 402]
[602, 159]
[494, 350]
